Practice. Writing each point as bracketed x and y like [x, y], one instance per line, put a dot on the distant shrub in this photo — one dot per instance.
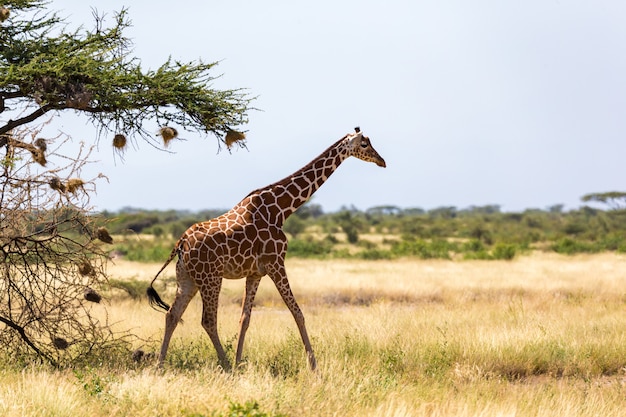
[374, 254]
[436, 249]
[473, 245]
[614, 241]
[504, 251]
[145, 251]
[134, 288]
[569, 246]
[307, 248]
[479, 255]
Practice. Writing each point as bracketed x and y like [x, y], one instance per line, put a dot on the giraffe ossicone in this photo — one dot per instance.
[248, 242]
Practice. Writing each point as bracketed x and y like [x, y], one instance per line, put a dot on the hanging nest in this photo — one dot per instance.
[168, 133]
[91, 295]
[74, 184]
[85, 268]
[56, 184]
[139, 355]
[119, 142]
[60, 343]
[41, 144]
[4, 14]
[232, 136]
[103, 234]
[36, 151]
[39, 156]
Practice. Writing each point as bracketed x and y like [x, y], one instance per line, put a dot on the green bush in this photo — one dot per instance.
[504, 251]
[436, 249]
[374, 254]
[146, 250]
[309, 248]
[569, 246]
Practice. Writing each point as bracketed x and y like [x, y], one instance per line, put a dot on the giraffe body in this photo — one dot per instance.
[248, 242]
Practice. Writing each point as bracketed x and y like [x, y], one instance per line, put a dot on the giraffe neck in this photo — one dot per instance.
[296, 189]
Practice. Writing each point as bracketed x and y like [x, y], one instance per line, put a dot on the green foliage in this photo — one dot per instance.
[443, 233]
[434, 249]
[249, 409]
[156, 250]
[504, 251]
[92, 383]
[350, 224]
[374, 254]
[45, 64]
[294, 225]
[134, 288]
[569, 246]
[309, 248]
[614, 199]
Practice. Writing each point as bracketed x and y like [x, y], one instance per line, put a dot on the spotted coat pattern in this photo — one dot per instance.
[248, 241]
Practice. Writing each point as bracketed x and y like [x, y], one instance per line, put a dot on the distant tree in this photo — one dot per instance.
[488, 209]
[52, 250]
[294, 225]
[616, 200]
[309, 210]
[556, 208]
[443, 212]
[349, 224]
[384, 210]
[414, 211]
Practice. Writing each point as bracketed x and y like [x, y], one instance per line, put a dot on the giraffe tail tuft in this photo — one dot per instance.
[153, 296]
[155, 300]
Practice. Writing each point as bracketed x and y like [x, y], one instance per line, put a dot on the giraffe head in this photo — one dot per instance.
[360, 147]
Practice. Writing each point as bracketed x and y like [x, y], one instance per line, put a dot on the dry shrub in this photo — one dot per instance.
[45, 311]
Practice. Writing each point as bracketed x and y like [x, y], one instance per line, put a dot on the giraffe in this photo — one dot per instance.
[248, 241]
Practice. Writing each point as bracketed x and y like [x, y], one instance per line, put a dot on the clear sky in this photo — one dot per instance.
[516, 103]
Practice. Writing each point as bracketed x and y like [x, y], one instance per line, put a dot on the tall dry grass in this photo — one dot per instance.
[539, 336]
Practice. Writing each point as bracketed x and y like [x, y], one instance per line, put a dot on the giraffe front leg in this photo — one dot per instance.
[252, 284]
[282, 284]
[210, 297]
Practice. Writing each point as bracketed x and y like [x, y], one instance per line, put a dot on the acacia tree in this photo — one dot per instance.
[616, 200]
[52, 248]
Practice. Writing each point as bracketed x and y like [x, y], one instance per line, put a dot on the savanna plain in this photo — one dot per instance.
[540, 335]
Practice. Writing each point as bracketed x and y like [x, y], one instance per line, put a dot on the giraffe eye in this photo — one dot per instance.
[363, 144]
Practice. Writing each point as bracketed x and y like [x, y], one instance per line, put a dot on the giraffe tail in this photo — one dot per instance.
[153, 296]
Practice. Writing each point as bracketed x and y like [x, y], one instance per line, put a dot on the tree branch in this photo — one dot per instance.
[20, 330]
[12, 124]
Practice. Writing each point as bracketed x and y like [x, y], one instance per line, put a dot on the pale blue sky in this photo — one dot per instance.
[516, 103]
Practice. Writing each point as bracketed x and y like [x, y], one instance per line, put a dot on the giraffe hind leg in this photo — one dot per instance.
[210, 298]
[186, 291]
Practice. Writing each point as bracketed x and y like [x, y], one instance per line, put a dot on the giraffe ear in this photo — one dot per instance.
[356, 138]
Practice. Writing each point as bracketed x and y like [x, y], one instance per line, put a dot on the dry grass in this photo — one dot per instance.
[539, 336]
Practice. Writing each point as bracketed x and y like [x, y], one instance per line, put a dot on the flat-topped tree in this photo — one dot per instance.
[51, 252]
[92, 72]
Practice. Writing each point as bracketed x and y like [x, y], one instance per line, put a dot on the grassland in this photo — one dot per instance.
[542, 335]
